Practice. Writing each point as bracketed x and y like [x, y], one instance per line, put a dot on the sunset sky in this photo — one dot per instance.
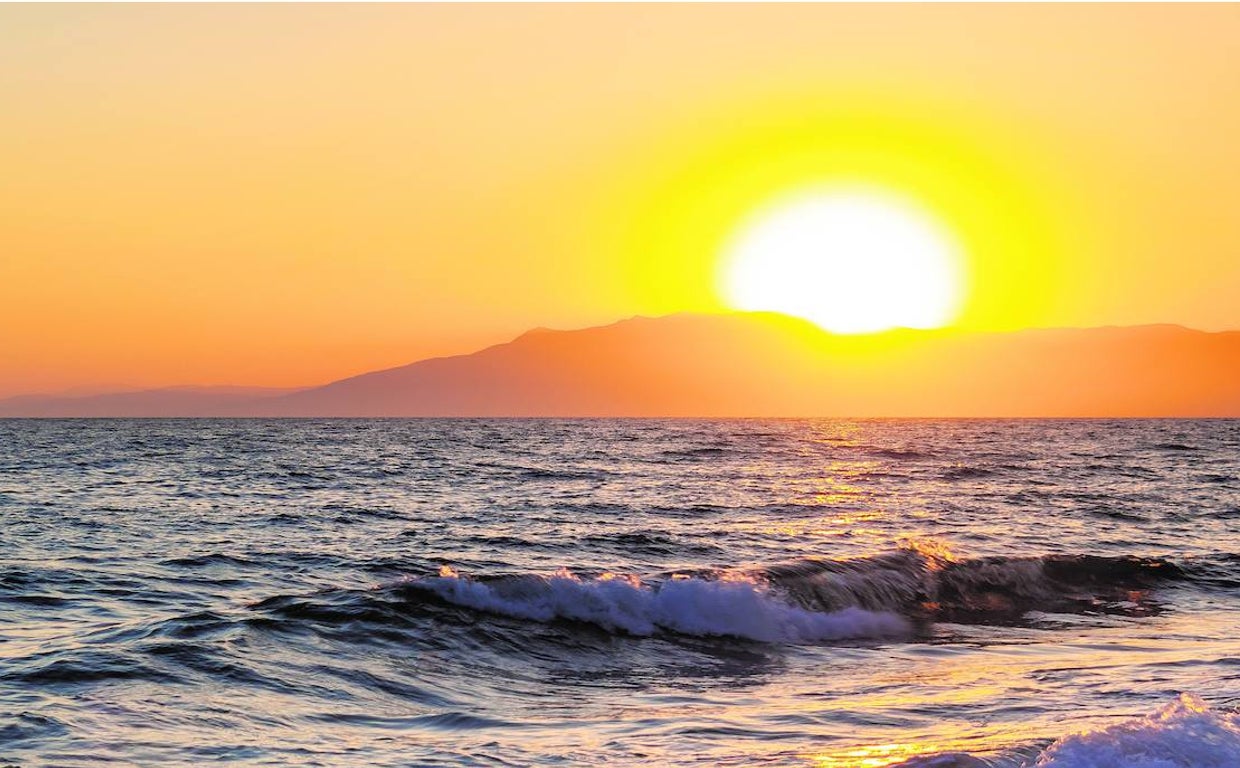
[285, 195]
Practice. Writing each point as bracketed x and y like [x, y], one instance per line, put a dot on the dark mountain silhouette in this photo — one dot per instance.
[761, 364]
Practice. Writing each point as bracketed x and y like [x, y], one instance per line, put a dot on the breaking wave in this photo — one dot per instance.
[886, 595]
[690, 606]
[1183, 734]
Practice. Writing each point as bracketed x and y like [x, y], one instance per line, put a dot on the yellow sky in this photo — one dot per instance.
[284, 195]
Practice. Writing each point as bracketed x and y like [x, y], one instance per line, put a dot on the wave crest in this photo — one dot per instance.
[924, 580]
[734, 607]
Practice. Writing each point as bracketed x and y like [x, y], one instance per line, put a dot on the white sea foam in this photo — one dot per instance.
[691, 606]
[1184, 734]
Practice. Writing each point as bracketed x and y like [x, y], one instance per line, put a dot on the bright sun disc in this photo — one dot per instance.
[848, 262]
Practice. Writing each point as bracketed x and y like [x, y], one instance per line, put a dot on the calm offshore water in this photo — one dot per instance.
[628, 592]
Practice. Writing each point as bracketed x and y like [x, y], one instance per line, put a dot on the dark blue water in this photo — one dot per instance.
[630, 592]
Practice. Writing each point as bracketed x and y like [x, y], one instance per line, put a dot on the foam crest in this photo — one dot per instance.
[733, 607]
[1184, 734]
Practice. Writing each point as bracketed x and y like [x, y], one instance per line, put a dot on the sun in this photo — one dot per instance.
[850, 261]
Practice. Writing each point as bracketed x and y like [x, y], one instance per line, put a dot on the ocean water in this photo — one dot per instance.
[620, 592]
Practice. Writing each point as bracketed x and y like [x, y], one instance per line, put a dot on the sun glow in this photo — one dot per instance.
[848, 261]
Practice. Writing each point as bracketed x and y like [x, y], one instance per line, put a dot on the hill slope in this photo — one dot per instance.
[764, 365]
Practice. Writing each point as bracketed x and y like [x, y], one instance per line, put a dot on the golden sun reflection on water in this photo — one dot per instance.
[876, 756]
[842, 523]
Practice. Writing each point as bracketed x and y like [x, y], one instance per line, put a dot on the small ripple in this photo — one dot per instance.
[444, 721]
[81, 667]
[30, 725]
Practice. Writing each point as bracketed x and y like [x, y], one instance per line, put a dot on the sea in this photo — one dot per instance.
[543, 592]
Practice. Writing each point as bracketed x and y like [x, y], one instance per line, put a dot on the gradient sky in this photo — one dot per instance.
[284, 195]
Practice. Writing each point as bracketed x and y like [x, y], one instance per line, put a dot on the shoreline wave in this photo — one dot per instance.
[687, 605]
[1183, 734]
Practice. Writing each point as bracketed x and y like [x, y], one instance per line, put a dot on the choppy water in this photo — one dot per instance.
[534, 592]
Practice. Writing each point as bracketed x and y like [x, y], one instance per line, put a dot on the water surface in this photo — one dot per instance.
[626, 592]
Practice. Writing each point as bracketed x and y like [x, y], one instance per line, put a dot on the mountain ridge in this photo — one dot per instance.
[751, 364]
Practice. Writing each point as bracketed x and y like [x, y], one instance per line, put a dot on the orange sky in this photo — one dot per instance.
[283, 195]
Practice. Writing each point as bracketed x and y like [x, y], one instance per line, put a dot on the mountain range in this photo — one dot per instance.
[750, 364]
